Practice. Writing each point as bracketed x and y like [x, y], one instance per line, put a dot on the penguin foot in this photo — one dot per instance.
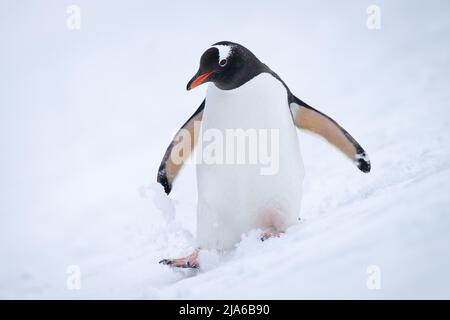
[266, 235]
[191, 261]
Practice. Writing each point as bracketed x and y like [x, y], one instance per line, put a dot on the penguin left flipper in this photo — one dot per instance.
[179, 149]
[307, 118]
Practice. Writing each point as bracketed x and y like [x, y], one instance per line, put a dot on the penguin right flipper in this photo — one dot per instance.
[180, 149]
[307, 118]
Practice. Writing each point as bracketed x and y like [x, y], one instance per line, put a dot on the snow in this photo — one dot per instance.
[85, 117]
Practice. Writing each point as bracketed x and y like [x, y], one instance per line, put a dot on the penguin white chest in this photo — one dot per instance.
[251, 171]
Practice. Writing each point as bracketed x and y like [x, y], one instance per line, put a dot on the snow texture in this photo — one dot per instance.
[86, 115]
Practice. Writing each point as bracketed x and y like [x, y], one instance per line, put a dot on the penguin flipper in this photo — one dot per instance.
[307, 118]
[179, 149]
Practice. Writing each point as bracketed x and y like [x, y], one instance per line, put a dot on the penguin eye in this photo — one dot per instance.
[223, 62]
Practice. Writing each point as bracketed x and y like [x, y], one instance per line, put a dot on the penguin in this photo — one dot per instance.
[233, 198]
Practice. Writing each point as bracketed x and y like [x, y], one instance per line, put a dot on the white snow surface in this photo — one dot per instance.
[85, 118]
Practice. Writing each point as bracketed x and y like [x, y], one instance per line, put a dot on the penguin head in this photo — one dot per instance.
[228, 65]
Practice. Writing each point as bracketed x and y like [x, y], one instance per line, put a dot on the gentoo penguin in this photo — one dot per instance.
[244, 95]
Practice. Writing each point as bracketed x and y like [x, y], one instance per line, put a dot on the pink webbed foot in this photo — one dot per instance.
[266, 235]
[191, 261]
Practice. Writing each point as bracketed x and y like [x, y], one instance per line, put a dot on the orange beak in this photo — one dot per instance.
[198, 80]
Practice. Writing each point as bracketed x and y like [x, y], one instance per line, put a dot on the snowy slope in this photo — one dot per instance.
[85, 117]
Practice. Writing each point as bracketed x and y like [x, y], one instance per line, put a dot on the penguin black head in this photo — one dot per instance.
[228, 65]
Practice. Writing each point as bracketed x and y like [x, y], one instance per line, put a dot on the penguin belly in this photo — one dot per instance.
[236, 197]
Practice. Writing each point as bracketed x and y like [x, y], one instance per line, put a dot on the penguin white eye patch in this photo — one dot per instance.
[224, 52]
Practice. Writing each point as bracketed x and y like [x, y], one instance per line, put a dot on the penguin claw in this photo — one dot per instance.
[270, 234]
[179, 264]
[187, 262]
[166, 262]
